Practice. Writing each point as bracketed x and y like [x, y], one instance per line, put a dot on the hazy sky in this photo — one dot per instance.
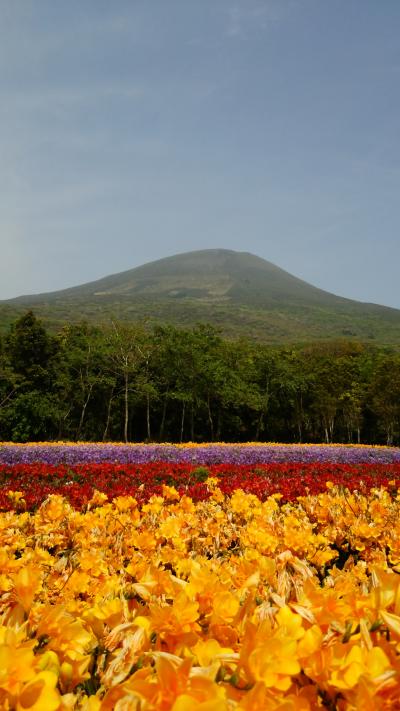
[135, 129]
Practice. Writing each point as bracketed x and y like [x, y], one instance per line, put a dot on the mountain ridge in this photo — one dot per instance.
[239, 292]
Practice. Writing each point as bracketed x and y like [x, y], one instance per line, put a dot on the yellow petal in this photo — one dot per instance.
[392, 621]
[40, 694]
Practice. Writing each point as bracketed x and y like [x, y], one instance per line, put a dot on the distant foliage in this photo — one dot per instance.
[132, 383]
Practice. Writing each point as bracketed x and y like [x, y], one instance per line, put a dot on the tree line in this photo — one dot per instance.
[136, 383]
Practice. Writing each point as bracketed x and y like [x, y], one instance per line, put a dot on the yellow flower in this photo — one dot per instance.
[17, 500]
[170, 493]
[175, 684]
[184, 702]
[98, 499]
[27, 583]
[206, 651]
[154, 505]
[16, 668]
[290, 624]
[125, 503]
[171, 527]
[259, 698]
[274, 661]
[48, 661]
[269, 656]
[357, 662]
[40, 693]
[125, 657]
[225, 605]
[172, 621]
[67, 636]
[310, 643]
[211, 482]
[53, 509]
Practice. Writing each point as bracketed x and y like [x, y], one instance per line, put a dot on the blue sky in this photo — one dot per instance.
[135, 129]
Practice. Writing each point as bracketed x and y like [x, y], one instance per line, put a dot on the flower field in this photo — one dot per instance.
[199, 577]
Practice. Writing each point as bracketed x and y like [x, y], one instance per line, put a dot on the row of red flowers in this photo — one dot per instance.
[77, 484]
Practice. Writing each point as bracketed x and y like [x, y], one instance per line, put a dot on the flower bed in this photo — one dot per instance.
[199, 580]
[199, 454]
[78, 482]
[224, 604]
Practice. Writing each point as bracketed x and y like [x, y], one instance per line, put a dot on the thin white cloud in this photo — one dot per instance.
[243, 18]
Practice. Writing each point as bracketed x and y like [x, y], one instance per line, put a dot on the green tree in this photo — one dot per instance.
[125, 354]
[31, 350]
[82, 375]
[32, 354]
[385, 396]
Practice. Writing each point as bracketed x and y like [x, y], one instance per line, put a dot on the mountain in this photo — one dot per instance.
[237, 291]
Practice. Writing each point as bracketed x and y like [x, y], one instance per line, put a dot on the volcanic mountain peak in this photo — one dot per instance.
[216, 274]
[237, 291]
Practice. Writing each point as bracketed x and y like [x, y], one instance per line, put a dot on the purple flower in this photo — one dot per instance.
[202, 455]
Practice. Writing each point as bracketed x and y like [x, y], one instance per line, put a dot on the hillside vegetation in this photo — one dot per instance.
[237, 292]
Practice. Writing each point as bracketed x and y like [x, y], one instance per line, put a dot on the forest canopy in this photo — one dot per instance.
[134, 383]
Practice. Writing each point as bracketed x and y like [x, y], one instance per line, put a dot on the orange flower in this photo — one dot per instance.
[170, 622]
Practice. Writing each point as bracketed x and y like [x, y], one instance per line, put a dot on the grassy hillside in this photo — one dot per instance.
[237, 291]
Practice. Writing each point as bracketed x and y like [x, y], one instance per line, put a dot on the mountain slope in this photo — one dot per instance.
[238, 291]
[214, 274]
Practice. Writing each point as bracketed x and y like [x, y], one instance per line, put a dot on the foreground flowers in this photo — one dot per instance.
[25, 486]
[222, 604]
